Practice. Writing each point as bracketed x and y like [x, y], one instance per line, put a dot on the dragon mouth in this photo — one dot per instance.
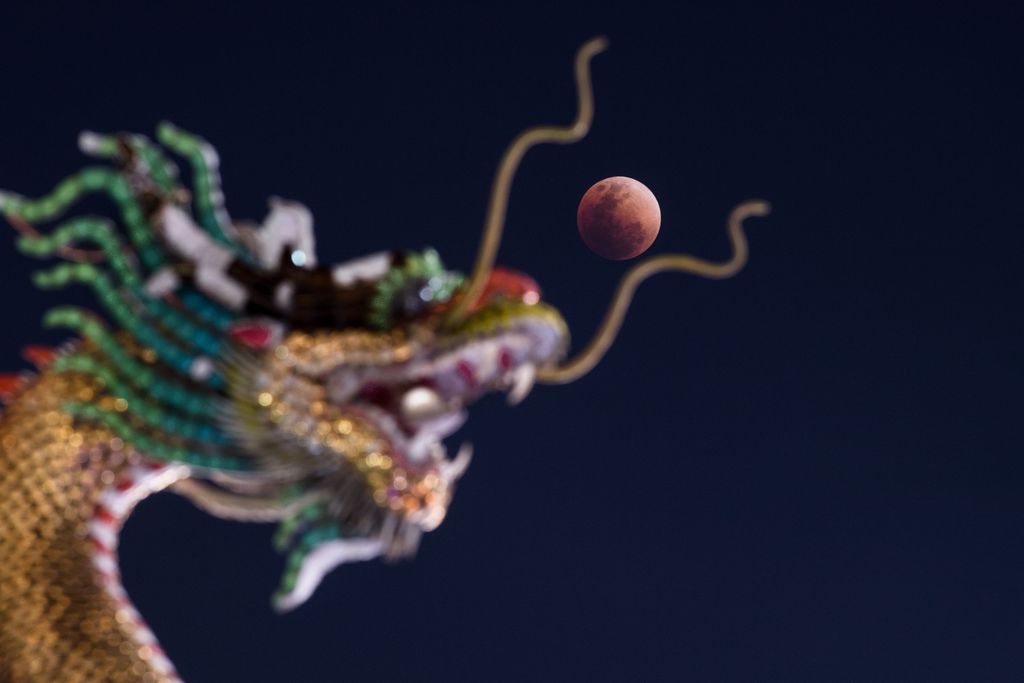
[417, 404]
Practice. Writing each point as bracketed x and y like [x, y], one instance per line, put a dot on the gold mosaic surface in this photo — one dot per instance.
[56, 621]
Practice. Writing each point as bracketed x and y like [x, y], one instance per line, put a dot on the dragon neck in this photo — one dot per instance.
[65, 489]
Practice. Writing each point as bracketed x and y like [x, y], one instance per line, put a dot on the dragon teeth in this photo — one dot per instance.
[523, 379]
[454, 468]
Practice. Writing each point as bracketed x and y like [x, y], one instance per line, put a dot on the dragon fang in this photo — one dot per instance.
[232, 368]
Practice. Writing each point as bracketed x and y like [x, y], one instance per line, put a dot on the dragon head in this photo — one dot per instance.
[377, 399]
[290, 391]
[341, 383]
[349, 420]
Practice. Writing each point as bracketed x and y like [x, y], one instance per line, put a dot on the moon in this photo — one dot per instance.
[618, 218]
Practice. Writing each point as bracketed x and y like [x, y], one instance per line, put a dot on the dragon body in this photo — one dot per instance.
[65, 488]
[230, 367]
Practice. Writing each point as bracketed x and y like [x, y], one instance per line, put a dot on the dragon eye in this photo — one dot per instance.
[410, 289]
[414, 296]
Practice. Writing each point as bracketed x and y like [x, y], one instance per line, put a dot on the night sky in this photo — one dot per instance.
[810, 472]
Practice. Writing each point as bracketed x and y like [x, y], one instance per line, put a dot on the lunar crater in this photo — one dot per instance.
[618, 218]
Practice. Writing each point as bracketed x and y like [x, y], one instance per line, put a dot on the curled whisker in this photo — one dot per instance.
[602, 340]
[497, 208]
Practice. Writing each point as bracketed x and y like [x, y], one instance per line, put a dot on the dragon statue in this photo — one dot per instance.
[234, 369]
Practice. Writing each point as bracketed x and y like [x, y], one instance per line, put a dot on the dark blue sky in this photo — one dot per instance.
[811, 472]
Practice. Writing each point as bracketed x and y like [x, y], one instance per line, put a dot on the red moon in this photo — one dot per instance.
[618, 218]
